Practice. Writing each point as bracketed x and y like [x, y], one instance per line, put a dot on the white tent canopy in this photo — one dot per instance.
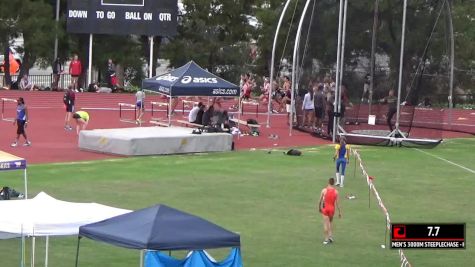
[46, 216]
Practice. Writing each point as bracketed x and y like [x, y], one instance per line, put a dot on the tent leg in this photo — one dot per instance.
[46, 251]
[33, 244]
[26, 184]
[22, 249]
[77, 252]
[141, 257]
[170, 111]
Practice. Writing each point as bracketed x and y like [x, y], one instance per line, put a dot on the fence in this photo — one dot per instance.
[372, 189]
[42, 81]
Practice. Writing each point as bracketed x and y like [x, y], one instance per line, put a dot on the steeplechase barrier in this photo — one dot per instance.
[5, 116]
[250, 103]
[124, 107]
[159, 104]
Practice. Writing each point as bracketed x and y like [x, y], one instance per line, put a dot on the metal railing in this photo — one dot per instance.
[42, 81]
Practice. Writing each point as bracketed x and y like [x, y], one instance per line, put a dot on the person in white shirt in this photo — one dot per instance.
[140, 103]
[308, 108]
[25, 84]
[192, 116]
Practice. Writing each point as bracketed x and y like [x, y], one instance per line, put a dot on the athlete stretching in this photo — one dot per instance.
[326, 206]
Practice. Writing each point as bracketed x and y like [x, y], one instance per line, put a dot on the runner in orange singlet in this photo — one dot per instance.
[326, 206]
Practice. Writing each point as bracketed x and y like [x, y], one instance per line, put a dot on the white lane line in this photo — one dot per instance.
[448, 161]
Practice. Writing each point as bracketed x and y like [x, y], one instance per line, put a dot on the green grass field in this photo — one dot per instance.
[270, 200]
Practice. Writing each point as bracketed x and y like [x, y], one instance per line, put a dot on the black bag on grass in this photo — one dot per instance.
[5, 193]
[293, 152]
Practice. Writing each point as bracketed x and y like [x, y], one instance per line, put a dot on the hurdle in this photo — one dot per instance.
[160, 104]
[188, 103]
[252, 103]
[125, 119]
[7, 100]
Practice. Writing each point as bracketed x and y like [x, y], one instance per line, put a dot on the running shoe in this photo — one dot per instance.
[14, 144]
[27, 143]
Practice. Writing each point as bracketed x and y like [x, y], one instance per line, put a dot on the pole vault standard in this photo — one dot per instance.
[295, 67]
[452, 55]
[342, 64]
[397, 131]
[271, 78]
[338, 57]
[150, 66]
[89, 70]
[373, 54]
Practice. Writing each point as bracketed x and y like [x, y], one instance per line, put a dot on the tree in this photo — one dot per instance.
[37, 32]
[213, 33]
[8, 23]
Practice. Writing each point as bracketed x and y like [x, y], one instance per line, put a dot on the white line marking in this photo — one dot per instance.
[448, 161]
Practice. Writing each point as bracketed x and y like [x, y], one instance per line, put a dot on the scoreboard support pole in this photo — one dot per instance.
[150, 65]
[89, 70]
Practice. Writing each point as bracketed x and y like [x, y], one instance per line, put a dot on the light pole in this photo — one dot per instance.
[57, 25]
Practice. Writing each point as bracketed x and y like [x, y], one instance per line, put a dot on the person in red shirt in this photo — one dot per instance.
[326, 206]
[75, 69]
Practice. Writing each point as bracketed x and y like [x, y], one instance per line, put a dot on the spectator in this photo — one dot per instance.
[331, 114]
[199, 116]
[391, 100]
[111, 76]
[57, 71]
[345, 101]
[427, 102]
[308, 107]
[265, 91]
[319, 104]
[75, 69]
[68, 100]
[26, 84]
[287, 97]
[93, 87]
[194, 112]
[207, 116]
[277, 97]
[366, 87]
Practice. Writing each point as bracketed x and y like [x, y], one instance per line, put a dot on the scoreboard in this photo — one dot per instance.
[140, 17]
[428, 235]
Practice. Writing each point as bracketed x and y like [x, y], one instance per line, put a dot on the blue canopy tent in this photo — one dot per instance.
[190, 80]
[160, 228]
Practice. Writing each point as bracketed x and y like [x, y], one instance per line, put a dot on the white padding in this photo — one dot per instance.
[153, 141]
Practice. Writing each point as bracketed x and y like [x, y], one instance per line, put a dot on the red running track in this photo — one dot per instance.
[51, 143]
